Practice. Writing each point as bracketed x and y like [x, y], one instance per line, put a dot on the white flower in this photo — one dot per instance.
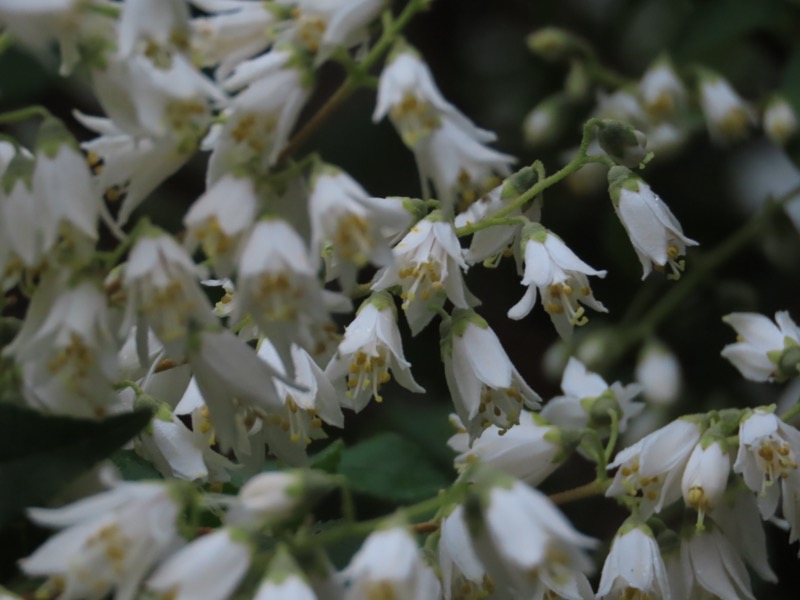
[109, 541]
[622, 105]
[652, 468]
[634, 567]
[284, 580]
[66, 350]
[767, 460]
[18, 217]
[128, 168]
[219, 218]
[163, 23]
[527, 545]
[371, 346]
[588, 398]
[529, 451]
[705, 477]
[210, 568]
[273, 495]
[711, 567]
[428, 265]
[462, 574]
[654, 231]
[780, 121]
[389, 564]
[278, 286]
[559, 276]
[739, 520]
[261, 117]
[163, 291]
[486, 387]
[658, 371]
[762, 345]
[728, 117]
[544, 122]
[237, 29]
[662, 91]
[347, 226]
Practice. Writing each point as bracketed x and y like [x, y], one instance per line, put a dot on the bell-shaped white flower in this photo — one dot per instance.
[711, 567]
[462, 574]
[347, 225]
[553, 270]
[705, 477]
[390, 564]
[765, 350]
[655, 233]
[284, 580]
[66, 349]
[529, 451]
[527, 546]
[485, 385]
[634, 567]
[661, 90]
[218, 220]
[652, 468]
[588, 398]
[370, 348]
[162, 23]
[107, 542]
[728, 117]
[658, 371]
[428, 265]
[767, 459]
[210, 567]
[780, 120]
[161, 281]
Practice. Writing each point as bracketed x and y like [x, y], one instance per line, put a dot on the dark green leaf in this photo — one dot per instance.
[391, 468]
[133, 467]
[40, 454]
[328, 459]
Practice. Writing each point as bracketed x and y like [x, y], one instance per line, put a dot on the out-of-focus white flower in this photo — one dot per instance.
[728, 117]
[463, 576]
[705, 477]
[347, 225]
[634, 567]
[371, 346]
[553, 270]
[543, 124]
[655, 233]
[261, 117]
[21, 240]
[767, 460]
[66, 350]
[210, 567]
[739, 520]
[711, 567]
[219, 218]
[108, 541]
[160, 23]
[428, 264]
[485, 385]
[765, 351]
[652, 468]
[623, 106]
[163, 291]
[659, 373]
[529, 451]
[389, 564]
[780, 120]
[527, 546]
[588, 398]
[662, 91]
[284, 580]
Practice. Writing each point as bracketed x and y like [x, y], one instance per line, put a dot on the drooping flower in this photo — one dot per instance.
[371, 346]
[712, 567]
[652, 468]
[485, 385]
[655, 233]
[728, 117]
[428, 265]
[662, 91]
[108, 541]
[284, 580]
[765, 351]
[659, 373]
[160, 23]
[634, 567]
[553, 270]
[463, 576]
[705, 477]
[780, 120]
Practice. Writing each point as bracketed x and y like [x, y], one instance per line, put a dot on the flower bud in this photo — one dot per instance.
[554, 44]
[545, 122]
[659, 371]
[624, 144]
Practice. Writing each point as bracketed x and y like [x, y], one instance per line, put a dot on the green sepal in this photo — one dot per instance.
[52, 135]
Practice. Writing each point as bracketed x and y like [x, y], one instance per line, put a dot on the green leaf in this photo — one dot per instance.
[40, 454]
[391, 468]
[329, 458]
[133, 467]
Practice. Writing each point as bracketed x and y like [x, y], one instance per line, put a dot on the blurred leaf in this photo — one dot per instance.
[328, 459]
[791, 90]
[133, 467]
[427, 425]
[725, 21]
[391, 468]
[39, 454]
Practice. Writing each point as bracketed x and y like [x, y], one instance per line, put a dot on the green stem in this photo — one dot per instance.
[704, 267]
[22, 114]
[791, 413]
[594, 488]
[358, 76]
[612, 440]
[491, 222]
[6, 40]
